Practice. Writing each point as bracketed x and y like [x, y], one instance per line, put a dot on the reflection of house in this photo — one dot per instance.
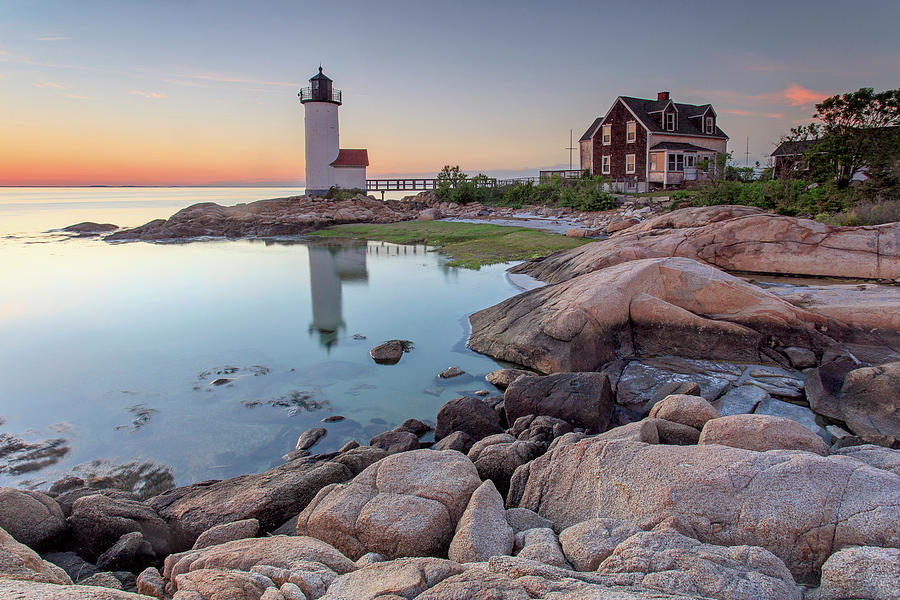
[640, 142]
[329, 266]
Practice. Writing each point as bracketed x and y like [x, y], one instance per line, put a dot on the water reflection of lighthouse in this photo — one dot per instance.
[329, 267]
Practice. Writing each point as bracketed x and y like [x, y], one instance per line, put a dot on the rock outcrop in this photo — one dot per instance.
[737, 239]
[482, 531]
[271, 497]
[266, 218]
[671, 562]
[403, 505]
[674, 306]
[861, 572]
[799, 506]
[97, 523]
[581, 399]
[761, 433]
[18, 561]
[32, 518]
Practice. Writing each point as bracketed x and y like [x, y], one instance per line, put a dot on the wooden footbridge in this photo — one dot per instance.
[412, 184]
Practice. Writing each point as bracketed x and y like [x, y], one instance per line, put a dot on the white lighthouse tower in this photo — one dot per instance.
[326, 164]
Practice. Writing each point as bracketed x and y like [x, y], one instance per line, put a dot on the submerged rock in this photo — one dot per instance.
[311, 437]
[390, 352]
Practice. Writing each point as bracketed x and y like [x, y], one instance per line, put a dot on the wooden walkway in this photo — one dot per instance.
[415, 184]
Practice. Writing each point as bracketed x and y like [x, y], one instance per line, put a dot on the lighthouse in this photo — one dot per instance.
[327, 165]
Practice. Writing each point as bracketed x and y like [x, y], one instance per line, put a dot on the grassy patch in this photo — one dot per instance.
[468, 245]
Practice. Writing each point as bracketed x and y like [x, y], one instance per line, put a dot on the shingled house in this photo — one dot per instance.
[641, 143]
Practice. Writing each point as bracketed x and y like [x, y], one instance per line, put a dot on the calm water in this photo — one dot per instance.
[109, 352]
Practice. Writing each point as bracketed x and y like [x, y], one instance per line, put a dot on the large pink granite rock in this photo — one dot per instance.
[657, 306]
[799, 506]
[737, 239]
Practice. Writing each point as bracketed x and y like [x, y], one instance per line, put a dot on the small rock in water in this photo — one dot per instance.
[482, 393]
[358, 336]
[451, 372]
[295, 454]
[390, 352]
[221, 381]
[333, 418]
[349, 446]
[309, 437]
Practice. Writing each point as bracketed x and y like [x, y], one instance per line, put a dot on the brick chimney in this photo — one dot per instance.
[662, 96]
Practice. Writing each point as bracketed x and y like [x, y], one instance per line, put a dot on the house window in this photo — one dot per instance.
[709, 125]
[653, 163]
[605, 165]
[607, 135]
[676, 162]
[670, 121]
[629, 163]
[689, 160]
[630, 132]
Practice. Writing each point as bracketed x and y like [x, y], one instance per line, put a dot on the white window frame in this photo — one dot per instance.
[690, 161]
[633, 158]
[677, 157]
[710, 126]
[605, 164]
[606, 134]
[630, 132]
[666, 118]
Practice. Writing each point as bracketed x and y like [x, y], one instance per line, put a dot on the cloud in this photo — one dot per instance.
[52, 38]
[152, 95]
[50, 85]
[750, 113]
[236, 79]
[76, 96]
[792, 95]
[796, 95]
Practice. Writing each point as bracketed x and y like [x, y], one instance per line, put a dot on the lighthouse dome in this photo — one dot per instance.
[320, 90]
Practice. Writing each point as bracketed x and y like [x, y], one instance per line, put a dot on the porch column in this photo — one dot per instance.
[665, 169]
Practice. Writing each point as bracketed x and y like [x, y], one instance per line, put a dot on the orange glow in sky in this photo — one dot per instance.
[123, 93]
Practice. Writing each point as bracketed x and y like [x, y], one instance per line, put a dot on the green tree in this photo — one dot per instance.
[853, 130]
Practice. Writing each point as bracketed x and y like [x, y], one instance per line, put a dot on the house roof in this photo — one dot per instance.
[679, 146]
[351, 158]
[591, 130]
[793, 148]
[685, 123]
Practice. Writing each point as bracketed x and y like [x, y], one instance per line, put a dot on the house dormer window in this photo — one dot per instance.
[607, 135]
[710, 125]
[630, 131]
[670, 121]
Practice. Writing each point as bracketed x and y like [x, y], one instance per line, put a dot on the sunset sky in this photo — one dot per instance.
[201, 92]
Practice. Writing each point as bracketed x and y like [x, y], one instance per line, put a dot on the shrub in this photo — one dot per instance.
[339, 193]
